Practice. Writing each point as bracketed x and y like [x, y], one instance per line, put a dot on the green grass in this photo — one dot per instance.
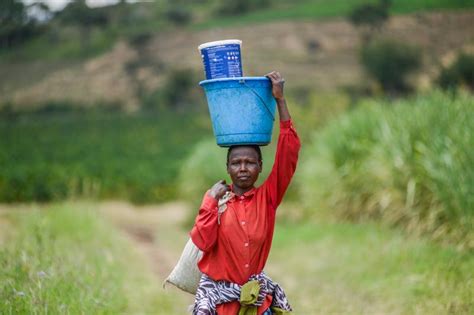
[343, 268]
[322, 9]
[406, 163]
[66, 259]
[95, 155]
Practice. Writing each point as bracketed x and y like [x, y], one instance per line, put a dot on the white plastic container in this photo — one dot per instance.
[222, 59]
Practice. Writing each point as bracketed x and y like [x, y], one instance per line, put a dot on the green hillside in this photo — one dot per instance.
[79, 32]
[321, 9]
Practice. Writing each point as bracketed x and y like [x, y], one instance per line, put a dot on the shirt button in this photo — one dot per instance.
[246, 244]
[246, 265]
[243, 222]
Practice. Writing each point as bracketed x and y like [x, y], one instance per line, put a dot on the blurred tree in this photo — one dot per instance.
[459, 73]
[370, 17]
[389, 63]
[237, 7]
[178, 14]
[40, 12]
[179, 92]
[16, 26]
[124, 14]
[79, 15]
[180, 88]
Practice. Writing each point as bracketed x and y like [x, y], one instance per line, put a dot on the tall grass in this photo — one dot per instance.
[408, 163]
[67, 260]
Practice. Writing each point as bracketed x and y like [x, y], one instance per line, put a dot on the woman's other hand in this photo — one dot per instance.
[277, 84]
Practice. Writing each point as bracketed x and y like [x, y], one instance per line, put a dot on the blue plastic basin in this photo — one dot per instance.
[242, 110]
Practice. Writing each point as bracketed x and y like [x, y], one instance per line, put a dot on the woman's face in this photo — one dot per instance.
[244, 167]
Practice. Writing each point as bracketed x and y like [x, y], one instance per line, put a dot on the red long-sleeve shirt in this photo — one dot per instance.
[239, 246]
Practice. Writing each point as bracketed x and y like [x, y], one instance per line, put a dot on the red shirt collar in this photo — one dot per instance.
[245, 194]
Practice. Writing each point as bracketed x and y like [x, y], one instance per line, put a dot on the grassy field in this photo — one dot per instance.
[65, 259]
[69, 259]
[143, 157]
[105, 155]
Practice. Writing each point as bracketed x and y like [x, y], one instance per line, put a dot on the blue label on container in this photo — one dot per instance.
[222, 61]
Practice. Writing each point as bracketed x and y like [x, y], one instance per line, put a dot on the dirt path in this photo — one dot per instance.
[156, 230]
[158, 233]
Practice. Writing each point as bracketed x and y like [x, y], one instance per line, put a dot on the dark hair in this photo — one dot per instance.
[253, 146]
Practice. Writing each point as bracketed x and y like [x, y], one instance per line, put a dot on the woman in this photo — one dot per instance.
[236, 237]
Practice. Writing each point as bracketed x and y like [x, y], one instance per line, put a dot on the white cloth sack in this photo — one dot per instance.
[186, 274]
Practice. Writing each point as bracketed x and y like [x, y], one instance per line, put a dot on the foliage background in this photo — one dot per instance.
[103, 104]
